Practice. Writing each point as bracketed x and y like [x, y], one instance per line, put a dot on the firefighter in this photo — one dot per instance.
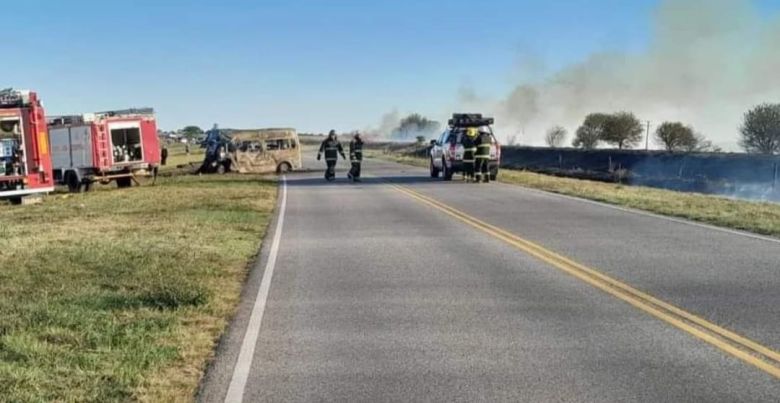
[355, 157]
[332, 148]
[469, 151]
[483, 143]
[164, 155]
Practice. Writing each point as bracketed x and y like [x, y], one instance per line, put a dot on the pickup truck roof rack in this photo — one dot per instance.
[470, 120]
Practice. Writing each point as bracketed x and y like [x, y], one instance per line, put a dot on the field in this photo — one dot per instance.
[759, 217]
[178, 156]
[121, 295]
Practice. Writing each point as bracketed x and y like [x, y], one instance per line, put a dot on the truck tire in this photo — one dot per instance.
[447, 172]
[493, 174]
[434, 171]
[221, 169]
[73, 182]
[122, 183]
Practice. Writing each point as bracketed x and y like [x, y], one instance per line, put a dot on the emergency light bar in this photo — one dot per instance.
[469, 120]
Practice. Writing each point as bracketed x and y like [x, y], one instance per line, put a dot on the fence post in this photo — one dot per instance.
[774, 176]
[560, 161]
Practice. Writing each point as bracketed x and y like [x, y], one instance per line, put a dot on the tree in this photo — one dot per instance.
[589, 134]
[622, 129]
[555, 136]
[676, 137]
[415, 125]
[191, 132]
[760, 132]
[701, 144]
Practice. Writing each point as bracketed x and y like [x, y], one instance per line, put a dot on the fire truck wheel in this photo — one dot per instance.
[72, 180]
[124, 182]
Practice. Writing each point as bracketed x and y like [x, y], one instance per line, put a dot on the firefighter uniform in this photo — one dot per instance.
[483, 144]
[332, 148]
[469, 153]
[355, 157]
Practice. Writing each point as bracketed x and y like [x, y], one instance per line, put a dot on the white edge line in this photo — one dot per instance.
[235, 393]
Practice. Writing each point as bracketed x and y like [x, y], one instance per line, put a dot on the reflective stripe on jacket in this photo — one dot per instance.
[332, 149]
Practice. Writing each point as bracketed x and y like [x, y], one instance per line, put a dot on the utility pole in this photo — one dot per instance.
[647, 137]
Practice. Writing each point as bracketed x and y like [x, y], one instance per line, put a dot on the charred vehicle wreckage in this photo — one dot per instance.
[258, 151]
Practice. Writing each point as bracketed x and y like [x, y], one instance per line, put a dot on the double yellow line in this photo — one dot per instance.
[738, 346]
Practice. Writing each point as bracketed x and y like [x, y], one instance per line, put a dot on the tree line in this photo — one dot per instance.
[759, 133]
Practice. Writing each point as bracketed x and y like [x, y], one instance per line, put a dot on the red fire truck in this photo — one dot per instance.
[25, 163]
[102, 147]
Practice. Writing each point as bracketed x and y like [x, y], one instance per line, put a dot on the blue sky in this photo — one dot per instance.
[313, 65]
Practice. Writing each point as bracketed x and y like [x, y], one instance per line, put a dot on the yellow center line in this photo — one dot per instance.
[738, 346]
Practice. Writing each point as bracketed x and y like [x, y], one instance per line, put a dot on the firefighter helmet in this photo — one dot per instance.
[472, 132]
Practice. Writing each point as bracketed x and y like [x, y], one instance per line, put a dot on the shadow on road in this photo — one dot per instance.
[292, 181]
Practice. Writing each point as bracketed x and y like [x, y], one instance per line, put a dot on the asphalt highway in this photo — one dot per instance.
[407, 288]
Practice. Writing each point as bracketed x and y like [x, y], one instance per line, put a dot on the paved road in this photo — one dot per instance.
[378, 296]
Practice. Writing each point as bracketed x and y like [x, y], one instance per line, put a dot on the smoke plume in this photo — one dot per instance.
[708, 62]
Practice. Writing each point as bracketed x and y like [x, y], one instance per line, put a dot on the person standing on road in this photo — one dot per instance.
[355, 157]
[332, 148]
[483, 143]
[469, 152]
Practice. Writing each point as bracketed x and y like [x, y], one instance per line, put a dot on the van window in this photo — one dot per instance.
[250, 146]
[283, 144]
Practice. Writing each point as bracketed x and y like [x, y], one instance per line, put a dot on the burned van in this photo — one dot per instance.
[258, 151]
[266, 151]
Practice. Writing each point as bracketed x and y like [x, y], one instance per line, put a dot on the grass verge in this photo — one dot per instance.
[758, 217]
[120, 295]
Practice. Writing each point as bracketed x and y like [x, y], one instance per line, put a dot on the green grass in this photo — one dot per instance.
[758, 217]
[121, 295]
[177, 156]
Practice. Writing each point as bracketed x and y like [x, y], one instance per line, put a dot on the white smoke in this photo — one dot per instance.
[387, 124]
[708, 62]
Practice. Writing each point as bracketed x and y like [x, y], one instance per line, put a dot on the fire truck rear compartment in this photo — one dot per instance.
[126, 144]
[11, 158]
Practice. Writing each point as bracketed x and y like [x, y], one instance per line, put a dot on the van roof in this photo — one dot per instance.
[263, 134]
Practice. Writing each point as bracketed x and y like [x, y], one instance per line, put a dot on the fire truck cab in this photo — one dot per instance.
[25, 161]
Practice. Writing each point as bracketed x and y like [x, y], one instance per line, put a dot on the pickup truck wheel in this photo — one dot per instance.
[221, 169]
[494, 175]
[447, 171]
[433, 169]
